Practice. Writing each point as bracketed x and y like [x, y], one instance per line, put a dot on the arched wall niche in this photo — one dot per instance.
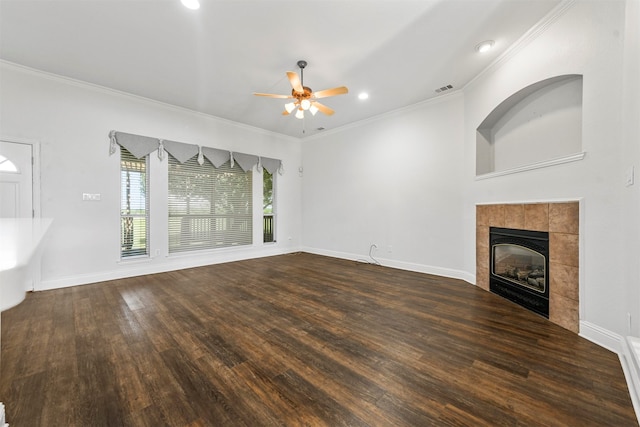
[538, 126]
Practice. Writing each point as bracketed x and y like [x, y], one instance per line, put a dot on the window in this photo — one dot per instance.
[134, 205]
[268, 212]
[7, 165]
[208, 207]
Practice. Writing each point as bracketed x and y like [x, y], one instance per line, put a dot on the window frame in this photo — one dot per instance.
[130, 253]
[269, 226]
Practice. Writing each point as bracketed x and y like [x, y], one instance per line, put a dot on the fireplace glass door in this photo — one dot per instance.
[520, 265]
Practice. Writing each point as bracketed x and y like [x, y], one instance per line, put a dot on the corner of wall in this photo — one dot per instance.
[630, 361]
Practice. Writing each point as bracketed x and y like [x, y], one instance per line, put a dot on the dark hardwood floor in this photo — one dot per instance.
[298, 340]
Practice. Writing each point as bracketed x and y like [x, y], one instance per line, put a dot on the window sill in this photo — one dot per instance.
[209, 251]
[141, 259]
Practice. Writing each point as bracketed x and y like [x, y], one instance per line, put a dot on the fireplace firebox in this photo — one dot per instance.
[519, 267]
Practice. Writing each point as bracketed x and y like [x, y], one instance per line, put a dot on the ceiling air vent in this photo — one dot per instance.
[444, 88]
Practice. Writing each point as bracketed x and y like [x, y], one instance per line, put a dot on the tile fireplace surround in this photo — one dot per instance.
[561, 221]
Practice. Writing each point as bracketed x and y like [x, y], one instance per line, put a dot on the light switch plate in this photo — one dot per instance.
[91, 197]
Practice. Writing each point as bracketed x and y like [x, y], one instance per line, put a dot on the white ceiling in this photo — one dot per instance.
[213, 59]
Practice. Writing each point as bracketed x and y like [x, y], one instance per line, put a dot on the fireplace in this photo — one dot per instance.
[519, 267]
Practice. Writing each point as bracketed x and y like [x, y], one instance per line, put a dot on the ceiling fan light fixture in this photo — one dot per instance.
[289, 107]
[303, 98]
[191, 4]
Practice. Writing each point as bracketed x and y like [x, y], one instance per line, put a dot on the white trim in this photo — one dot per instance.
[172, 263]
[399, 111]
[628, 355]
[582, 253]
[401, 265]
[630, 361]
[525, 40]
[532, 201]
[35, 169]
[36, 206]
[539, 165]
[109, 91]
[601, 336]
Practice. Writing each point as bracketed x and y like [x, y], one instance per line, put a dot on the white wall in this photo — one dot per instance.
[407, 179]
[395, 181]
[545, 125]
[630, 156]
[71, 122]
[586, 39]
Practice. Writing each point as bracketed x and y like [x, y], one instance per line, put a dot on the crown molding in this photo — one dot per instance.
[114, 92]
[534, 32]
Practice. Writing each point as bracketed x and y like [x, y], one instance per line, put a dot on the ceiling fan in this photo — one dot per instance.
[304, 99]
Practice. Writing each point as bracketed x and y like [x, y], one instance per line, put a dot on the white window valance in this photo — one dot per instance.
[141, 146]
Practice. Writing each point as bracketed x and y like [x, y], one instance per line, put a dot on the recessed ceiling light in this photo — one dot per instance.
[485, 46]
[363, 95]
[191, 4]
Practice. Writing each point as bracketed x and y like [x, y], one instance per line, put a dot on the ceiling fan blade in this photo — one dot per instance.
[285, 113]
[331, 92]
[295, 81]
[323, 108]
[271, 95]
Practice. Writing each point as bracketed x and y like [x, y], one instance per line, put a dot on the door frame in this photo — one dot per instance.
[35, 170]
[36, 269]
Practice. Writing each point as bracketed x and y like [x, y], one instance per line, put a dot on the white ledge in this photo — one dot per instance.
[532, 166]
[20, 249]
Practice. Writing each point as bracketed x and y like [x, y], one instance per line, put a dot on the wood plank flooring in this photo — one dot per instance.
[298, 340]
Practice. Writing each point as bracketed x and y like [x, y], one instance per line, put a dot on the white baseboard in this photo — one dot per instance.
[601, 336]
[419, 268]
[145, 266]
[628, 351]
[630, 361]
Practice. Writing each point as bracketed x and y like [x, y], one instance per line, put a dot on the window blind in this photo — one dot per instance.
[134, 205]
[208, 207]
[268, 207]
